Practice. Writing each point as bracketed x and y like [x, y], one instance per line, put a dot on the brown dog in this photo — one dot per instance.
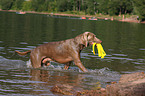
[62, 51]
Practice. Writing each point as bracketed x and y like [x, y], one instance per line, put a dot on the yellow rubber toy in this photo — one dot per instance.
[101, 52]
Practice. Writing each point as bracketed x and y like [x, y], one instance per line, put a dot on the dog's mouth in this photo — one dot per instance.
[91, 43]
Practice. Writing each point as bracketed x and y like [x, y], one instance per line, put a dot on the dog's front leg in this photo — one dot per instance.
[79, 63]
[81, 66]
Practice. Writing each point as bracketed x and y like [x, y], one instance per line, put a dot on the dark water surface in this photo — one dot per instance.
[123, 43]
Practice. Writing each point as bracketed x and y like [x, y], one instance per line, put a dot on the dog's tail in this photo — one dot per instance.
[23, 53]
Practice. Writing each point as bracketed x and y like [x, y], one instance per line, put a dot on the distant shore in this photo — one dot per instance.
[100, 16]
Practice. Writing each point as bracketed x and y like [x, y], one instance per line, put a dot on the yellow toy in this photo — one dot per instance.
[101, 52]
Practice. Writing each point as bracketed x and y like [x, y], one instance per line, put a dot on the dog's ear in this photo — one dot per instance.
[85, 35]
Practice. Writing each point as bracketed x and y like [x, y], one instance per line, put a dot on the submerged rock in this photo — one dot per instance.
[100, 92]
[63, 89]
[68, 90]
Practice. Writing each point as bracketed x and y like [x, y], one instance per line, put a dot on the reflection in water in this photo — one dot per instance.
[78, 81]
[52, 78]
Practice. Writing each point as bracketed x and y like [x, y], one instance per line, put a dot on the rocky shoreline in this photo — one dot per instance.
[134, 20]
[129, 85]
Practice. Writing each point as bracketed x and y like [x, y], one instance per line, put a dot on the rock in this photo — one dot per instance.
[101, 92]
[68, 90]
[63, 89]
[129, 85]
[131, 77]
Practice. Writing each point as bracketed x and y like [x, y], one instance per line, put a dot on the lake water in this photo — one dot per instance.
[123, 43]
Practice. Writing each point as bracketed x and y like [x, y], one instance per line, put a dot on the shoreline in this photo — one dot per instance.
[105, 17]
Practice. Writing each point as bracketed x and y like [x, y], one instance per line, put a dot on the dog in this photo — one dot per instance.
[63, 52]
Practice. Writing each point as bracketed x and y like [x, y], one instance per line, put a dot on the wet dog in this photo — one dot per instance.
[63, 52]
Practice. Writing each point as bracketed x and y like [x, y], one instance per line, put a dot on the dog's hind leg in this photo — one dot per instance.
[45, 61]
[35, 59]
[67, 65]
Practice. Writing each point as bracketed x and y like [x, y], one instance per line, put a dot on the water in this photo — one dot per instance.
[123, 43]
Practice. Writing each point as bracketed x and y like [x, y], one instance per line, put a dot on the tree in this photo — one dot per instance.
[26, 6]
[103, 6]
[52, 6]
[92, 6]
[39, 5]
[139, 7]
[17, 4]
[113, 7]
[125, 6]
[6, 4]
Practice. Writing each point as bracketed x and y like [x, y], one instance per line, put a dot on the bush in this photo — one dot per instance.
[140, 9]
[6, 4]
[26, 6]
[17, 4]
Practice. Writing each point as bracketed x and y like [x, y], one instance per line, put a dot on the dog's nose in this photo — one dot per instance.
[100, 41]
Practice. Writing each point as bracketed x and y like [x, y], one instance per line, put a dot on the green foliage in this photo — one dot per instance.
[116, 7]
[91, 7]
[52, 6]
[139, 6]
[0, 5]
[26, 6]
[17, 4]
[109, 7]
[64, 5]
[6, 4]
[39, 5]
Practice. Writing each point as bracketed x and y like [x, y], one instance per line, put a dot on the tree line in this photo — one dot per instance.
[109, 7]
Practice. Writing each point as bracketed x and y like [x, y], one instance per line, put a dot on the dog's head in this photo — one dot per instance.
[89, 38]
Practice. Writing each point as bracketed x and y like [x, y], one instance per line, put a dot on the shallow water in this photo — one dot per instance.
[123, 43]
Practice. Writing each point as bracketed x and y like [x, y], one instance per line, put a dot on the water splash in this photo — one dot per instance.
[10, 64]
[59, 67]
[28, 63]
